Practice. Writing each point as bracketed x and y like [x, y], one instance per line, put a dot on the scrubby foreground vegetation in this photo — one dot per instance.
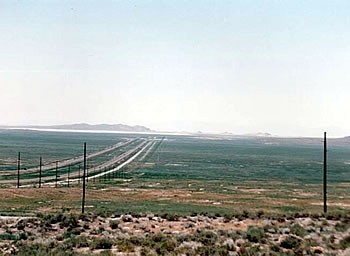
[168, 234]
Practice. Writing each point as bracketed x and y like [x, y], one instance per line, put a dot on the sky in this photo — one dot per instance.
[281, 67]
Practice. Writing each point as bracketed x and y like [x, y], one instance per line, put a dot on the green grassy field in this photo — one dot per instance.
[195, 173]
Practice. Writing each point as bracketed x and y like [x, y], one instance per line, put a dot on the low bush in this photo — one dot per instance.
[78, 242]
[127, 218]
[125, 245]
[228, 217]
[170, 216]
[114, 224]
[291, 243]
[260, 213]
[342, 226]
[36, 249]
[345, 242]
[101, 243]
[70, 221]
[206, 237]
[212, 250]
[166, 246]
[298, 230]
[7, 236]
[255, 234]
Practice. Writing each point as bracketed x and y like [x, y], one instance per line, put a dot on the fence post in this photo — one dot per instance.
[18, 167]
[84, 173]
[40, 167]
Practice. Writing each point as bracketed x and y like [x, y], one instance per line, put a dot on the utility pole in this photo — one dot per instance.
[18, 167]
[40, 167]
[83, 200]
[325, 173]
[56, 174]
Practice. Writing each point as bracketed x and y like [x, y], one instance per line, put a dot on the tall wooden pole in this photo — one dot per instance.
[40, 167]
[84, 173]
[18, 167]
[325, 173]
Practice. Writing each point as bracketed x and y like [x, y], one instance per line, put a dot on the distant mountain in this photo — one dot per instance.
[259, 134]
[84, 126]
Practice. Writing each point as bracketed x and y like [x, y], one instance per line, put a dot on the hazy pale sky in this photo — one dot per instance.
[238, 66]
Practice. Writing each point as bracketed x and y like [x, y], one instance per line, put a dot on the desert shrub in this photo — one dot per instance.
[137, 241]
[233, 234]
[268, 227]
[76, 231]
[65, 209]
[67, 235]
[125, 245]
[86, 226]
[101, 243]
[101, 229]
[23, 236]
[145, 251]
[217, 215]
[325, 223]
[62, 250]
[342, 226]
[127, 218]
[137, 215]
[275, 248]
[84, 217]
[113, 224]
[35, 249]
[21, 224]
[78, 242]
[160, 243]
[165, 246]
[156, 238]
[170, 216]
[46, 225]
[291, 243]
[245, 214]
[184, 250]
[228, 217]
[212, 250]
[345, 242]
[335, 215]
[260, 213]
[255, 234]
[39, 215]
[183, 238]
[7, 236]
[298, 230]
[248, 250]
[53, 219]
[105, 253]
[70, 221]
[206, 237]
